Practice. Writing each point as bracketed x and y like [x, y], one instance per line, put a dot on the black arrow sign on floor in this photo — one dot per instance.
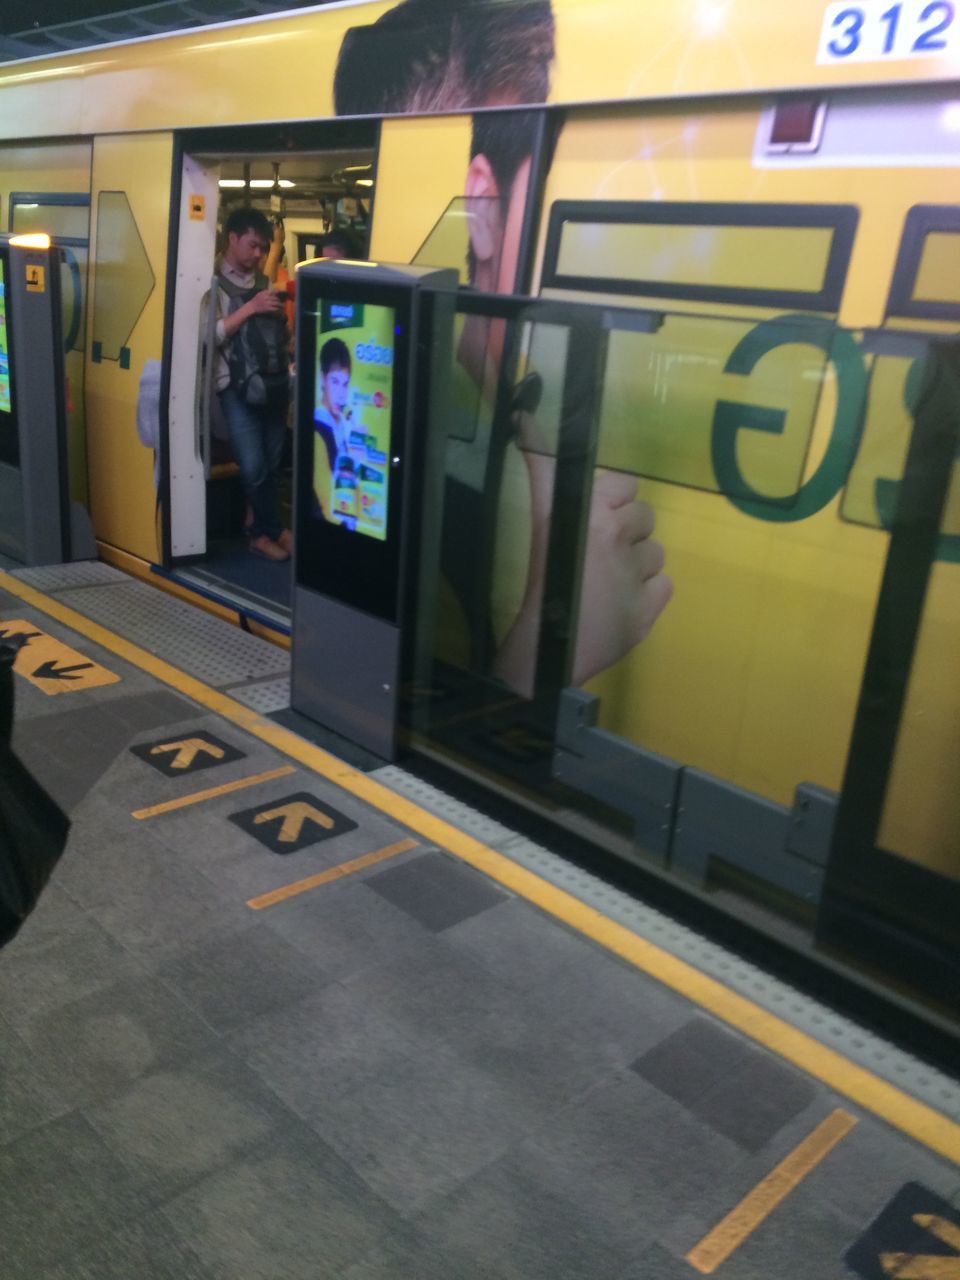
[50, 671]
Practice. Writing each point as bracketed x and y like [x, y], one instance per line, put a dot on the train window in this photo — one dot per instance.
[926, 281]
[672, 390]
[65, 217]
[938, 276]
[762, 255]
[124, 277]
[53, 214]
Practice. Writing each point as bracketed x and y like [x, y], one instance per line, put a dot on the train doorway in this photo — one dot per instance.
[324, 183]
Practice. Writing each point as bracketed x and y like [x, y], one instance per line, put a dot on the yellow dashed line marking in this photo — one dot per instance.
[327, 877]
[731, 1231]
[837, 1072]
[198, 797]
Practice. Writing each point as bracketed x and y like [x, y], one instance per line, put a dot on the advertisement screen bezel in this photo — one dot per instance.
[348, 565]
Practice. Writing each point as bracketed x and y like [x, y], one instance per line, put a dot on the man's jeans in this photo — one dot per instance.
[256, 437]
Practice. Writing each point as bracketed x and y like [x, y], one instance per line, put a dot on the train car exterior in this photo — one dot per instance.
[775, 188]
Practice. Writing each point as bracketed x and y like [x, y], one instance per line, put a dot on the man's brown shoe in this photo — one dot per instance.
[268, 549]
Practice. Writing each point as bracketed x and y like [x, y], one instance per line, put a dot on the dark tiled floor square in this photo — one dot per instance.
[739, 1090]
[694, 1059]
[436, 891]
[753, 1105]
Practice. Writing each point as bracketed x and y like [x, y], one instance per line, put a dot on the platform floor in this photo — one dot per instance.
[273, 1018]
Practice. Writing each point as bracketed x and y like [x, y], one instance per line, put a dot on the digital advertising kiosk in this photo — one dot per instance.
[38, 523]
[365, 336]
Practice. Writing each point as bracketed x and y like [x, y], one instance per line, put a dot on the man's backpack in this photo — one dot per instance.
[257, 354]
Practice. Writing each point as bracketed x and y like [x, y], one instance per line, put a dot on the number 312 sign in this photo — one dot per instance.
[880, 30]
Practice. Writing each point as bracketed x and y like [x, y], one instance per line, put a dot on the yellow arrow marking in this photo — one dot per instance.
[909, 1266]
[187, 751]
[294, 816]
[51, 665]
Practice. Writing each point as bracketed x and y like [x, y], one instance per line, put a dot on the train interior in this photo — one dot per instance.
[310, 193]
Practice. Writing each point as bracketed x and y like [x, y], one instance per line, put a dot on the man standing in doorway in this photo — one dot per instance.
[252, 375]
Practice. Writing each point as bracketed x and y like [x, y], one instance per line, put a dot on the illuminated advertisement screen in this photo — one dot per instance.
[352, 411]
[5, 402]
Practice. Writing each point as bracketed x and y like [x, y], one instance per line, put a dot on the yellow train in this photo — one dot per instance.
[775, 188]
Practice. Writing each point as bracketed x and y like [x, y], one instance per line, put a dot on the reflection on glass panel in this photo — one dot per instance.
[921, 817]
[448, 244]
[938, 276]
[787, 258]
[871, 493]
[73, 275]
[662, 392]
[124, 277]
[552, 657]
[60, 221]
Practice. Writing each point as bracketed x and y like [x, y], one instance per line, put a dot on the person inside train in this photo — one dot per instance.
[456, 55]
[341, 243]
[252, 380]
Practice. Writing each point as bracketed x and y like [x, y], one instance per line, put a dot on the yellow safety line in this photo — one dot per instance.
[198, 796]
[926, 1125]
[731, 1231]
[334, 873]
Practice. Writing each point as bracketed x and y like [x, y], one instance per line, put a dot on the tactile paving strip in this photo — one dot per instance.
[869, 1051]
[61, 577]
[206, 647]
[271, 695]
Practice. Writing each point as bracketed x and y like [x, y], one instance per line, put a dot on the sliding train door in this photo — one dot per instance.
[125, 322]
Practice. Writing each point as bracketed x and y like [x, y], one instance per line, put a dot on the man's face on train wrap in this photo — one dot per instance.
[431, 56]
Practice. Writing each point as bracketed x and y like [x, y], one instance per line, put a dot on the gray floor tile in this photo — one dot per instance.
[62, 1189]
[657, 1264]
[421, 1129]
[437, 891]
[520, 1228]
[610, 1003]
[55, 916]
[345, 928]
[865, 1171]
[328, 1045]
[37, 978]
[518, 944]
[433, 994]
[290, 1210]
[793, 1237]
[243, 976]
[632, 1158]
[143, 1251]
[161, 908]
[24, 1103]
[97, 1045]
[518, 1044]
[186, 1121]
[410, 1257]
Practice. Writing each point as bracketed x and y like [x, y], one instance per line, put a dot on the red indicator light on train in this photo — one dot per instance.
[795, 123]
